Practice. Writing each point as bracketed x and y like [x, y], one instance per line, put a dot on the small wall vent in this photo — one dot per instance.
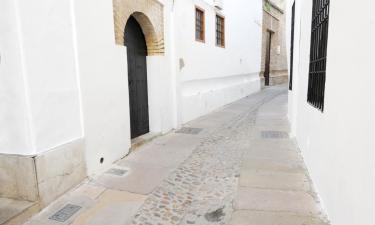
[218, 4]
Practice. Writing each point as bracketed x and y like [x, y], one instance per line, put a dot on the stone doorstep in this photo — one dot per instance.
[144, 139]
[16, 212]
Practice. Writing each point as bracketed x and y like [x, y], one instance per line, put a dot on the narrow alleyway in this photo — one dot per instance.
[235, 166]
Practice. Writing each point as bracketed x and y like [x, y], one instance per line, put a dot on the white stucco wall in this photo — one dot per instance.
[213, 76]
[104, 84]
[48, 53]
[74, 80]
[103, 80]
[338, 144]
[15, 130]
[39, 73]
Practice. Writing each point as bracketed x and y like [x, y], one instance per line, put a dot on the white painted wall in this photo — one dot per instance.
[103, 81]
[213, 76]
[50, 67]
[74, 79]
[161, 81]
[338, 144]
[104, 84]
[38, 70]
[15, 129]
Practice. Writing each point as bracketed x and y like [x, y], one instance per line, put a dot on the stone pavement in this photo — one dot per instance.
[235, 166]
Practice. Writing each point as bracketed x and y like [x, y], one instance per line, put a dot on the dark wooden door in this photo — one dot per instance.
[137, 72]
[268, 59]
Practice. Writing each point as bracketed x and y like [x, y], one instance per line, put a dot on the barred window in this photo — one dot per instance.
[199, 25]
[318, 53]
[220, 31]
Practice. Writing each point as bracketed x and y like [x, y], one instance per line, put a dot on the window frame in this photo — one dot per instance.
[222, 44]
[203, 24]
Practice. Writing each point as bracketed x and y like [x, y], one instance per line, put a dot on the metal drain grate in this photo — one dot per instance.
[117, 172]
[189, 130]
[270, 134]
[65, 213]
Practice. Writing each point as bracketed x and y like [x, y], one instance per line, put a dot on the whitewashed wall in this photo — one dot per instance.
[15, 130]
[104, 84]
[103, 80]
[212, 76]
[63, 77]
[40, 87]
[338, 144]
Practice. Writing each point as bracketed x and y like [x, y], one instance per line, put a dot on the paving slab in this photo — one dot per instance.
[112, 207]
[272, 165]
[273, 154]
[276, 144]
[246, 217]
[16, 210]
[45, 217]
[274, 180]
[141, 178]
[296, 202]
[169, 152]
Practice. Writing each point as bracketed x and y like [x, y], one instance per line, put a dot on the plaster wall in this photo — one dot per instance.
[15, 130]
[40, 110]
[50, 71]
[40, 91]
[74, 75]
[209, 76]
[337, 144]
[104, 84]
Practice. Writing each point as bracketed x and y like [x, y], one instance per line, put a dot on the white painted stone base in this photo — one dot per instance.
[45, 177]
[59, 170]
[17, 177]
[203, 96]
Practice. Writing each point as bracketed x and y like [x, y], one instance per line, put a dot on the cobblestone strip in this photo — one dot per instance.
[201, 190]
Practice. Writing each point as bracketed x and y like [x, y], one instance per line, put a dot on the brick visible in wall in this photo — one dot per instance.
[149, 14]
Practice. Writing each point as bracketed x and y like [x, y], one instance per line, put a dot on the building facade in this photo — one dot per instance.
[80, 79]
[274, 68]
[331, 104]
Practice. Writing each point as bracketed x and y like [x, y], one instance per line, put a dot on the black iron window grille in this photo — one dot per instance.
[292, 47]
[318, 53]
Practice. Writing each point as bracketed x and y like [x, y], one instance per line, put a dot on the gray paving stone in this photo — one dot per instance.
[10, 208]
[271, 165]
[296, 202]
[141, 178]
[246, 217]
[273, 154]
[274, 180]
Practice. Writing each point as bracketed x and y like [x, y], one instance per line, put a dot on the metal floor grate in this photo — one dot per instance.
[270, 134]
[189, 130]
[65, 213]
[117, 172]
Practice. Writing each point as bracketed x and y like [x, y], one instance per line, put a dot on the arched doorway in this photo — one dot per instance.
[135, 42]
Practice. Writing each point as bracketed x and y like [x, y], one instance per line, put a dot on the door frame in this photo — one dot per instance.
[138, 119]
